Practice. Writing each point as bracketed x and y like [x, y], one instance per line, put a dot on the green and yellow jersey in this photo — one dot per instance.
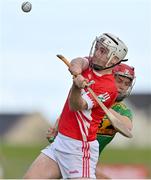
[106, 131]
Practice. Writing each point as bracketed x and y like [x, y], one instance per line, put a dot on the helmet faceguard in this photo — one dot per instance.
[115, 47]
[125, 71]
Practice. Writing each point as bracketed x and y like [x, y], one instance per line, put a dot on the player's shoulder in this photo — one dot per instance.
[120, 104]
[109, 82]
[123, 109]
[109, 78]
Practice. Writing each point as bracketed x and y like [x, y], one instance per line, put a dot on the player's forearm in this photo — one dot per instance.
[124, 119]
[76, 101]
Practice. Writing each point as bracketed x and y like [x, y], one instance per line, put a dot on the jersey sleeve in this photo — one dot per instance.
[123, 110]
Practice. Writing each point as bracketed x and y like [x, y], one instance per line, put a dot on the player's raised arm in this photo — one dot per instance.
[75, 99]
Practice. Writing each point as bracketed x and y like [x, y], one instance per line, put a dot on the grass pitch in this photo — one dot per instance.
[15, 160]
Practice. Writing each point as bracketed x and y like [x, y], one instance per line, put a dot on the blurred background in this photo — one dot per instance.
[34, 83]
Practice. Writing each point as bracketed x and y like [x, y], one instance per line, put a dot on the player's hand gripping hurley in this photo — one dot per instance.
[114, 121]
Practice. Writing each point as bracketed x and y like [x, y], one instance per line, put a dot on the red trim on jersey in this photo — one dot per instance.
[82, 126]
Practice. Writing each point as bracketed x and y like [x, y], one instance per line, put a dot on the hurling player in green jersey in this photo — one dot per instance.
[124, 76]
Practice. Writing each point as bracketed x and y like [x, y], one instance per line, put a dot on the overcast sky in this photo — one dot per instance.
[31, 76]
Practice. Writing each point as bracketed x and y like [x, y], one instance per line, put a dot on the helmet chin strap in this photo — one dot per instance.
[100, 68]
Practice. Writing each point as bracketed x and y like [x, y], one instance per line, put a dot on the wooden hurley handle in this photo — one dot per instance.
[63, 59]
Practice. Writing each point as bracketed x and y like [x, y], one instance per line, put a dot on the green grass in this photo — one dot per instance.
[126, 156]
[16, 159]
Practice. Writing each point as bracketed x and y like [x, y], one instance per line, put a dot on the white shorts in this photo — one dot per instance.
[75, 158]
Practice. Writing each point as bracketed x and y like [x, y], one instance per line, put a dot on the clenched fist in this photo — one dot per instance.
[80, 81]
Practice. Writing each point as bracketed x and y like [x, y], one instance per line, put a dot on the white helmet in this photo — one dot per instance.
[115, 46]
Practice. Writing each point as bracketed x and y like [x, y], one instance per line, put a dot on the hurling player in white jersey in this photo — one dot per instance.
[75, 150]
